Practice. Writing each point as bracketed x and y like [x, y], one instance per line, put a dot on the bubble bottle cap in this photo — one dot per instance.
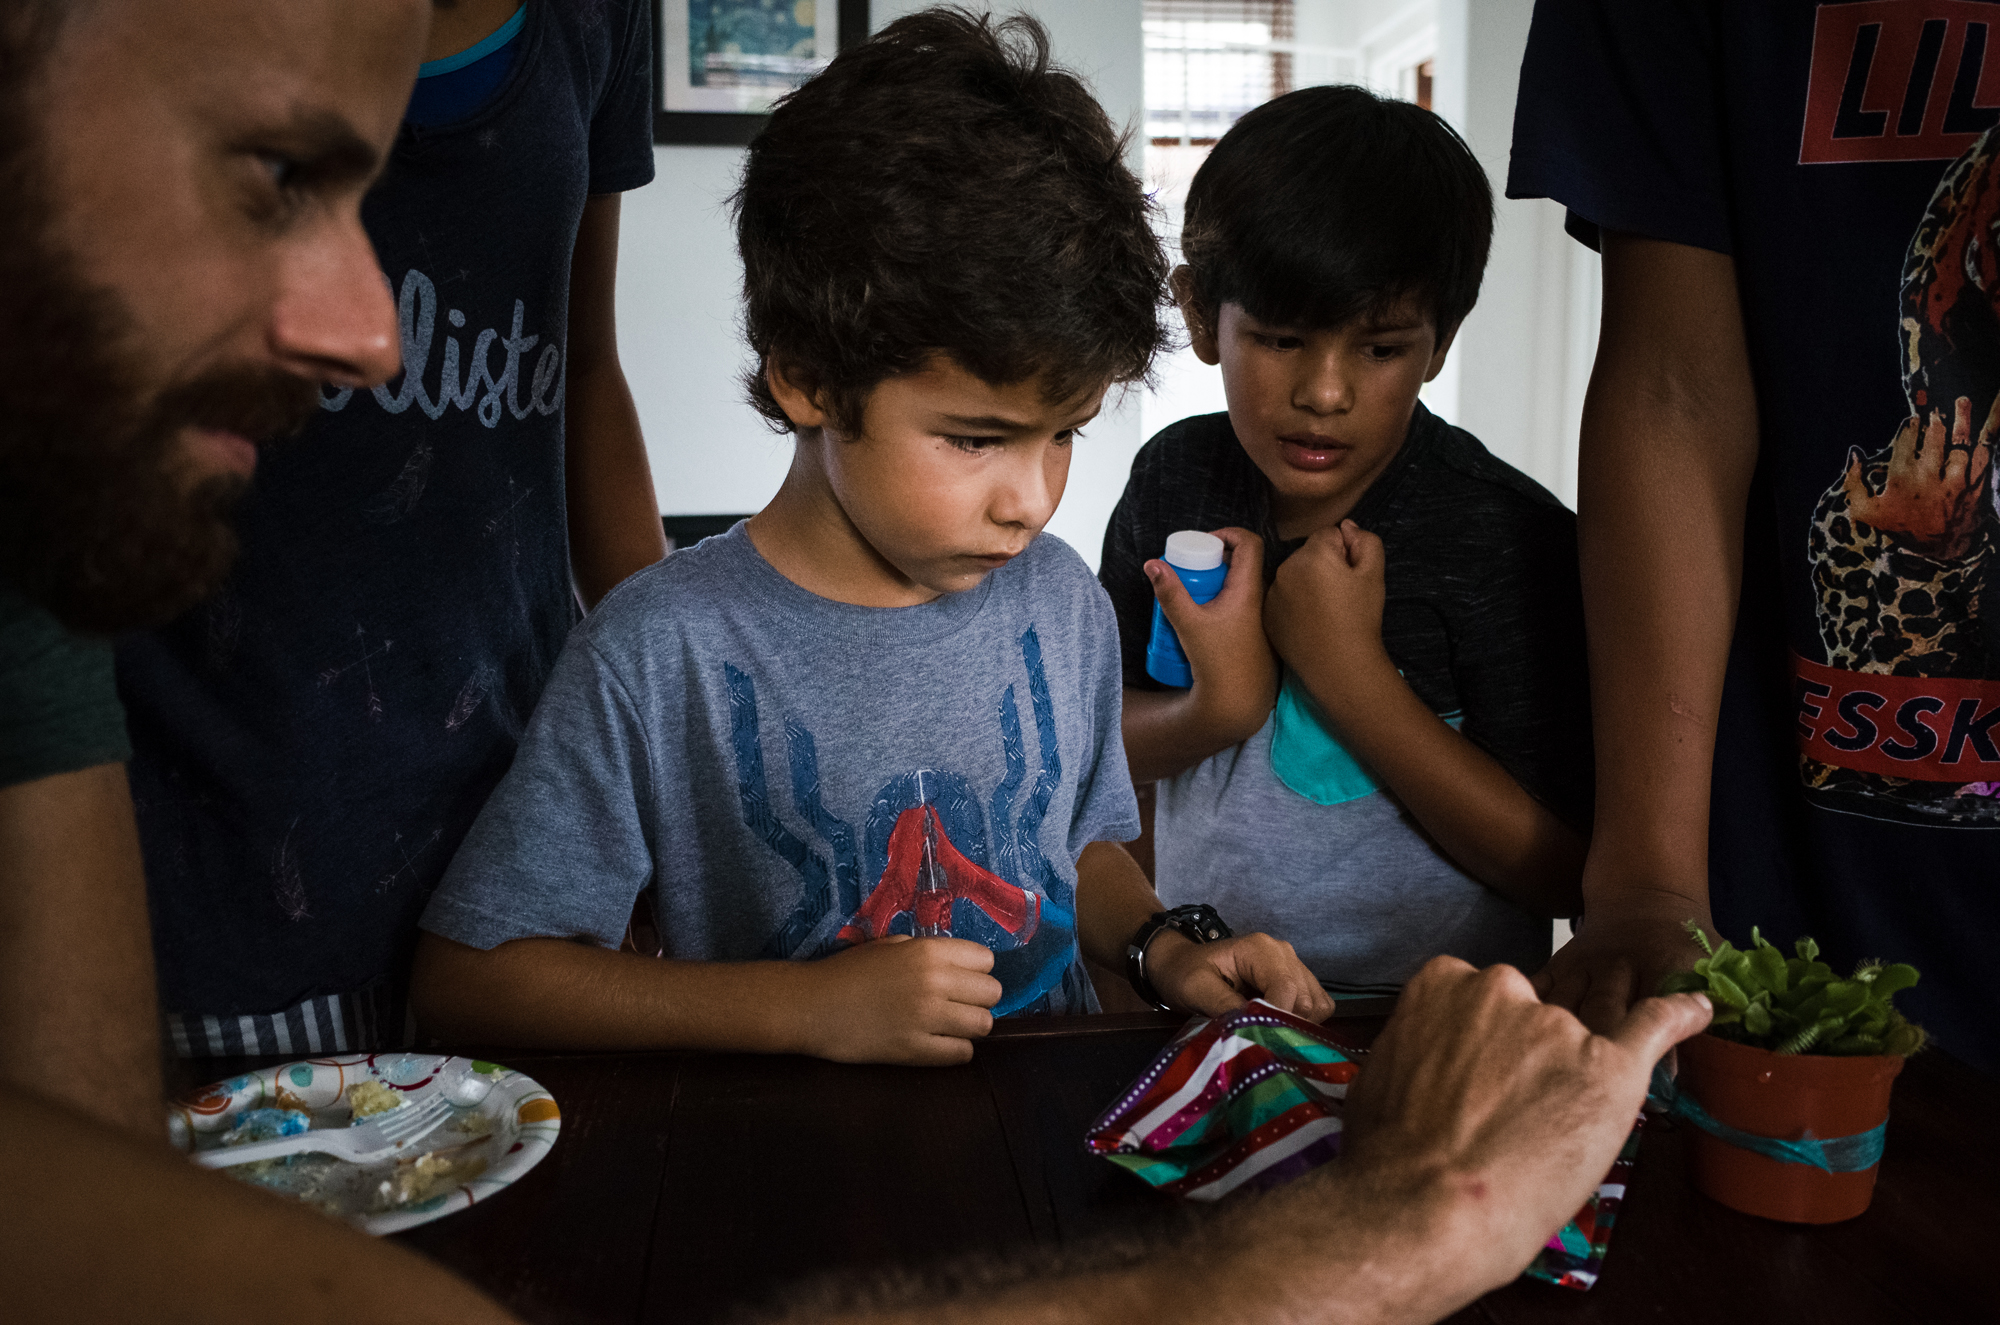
[1190, 549]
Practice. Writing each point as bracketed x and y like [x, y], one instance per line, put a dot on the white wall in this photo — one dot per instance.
[678, 291]
[1517, 374]
[678, 279]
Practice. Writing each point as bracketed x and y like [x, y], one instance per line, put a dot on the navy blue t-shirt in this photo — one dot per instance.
[313, 742]
[1844, 155]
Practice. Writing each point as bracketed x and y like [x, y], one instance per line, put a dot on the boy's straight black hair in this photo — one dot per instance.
[943, 188]
[1332, 203]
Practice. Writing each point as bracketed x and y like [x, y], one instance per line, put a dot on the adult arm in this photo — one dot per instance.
[1324, 614]
[1669, 443]
[614, 516]
[77, 1015]
[896, 1000]
[1481, 1121]
[180, 1244]
[1113, 899]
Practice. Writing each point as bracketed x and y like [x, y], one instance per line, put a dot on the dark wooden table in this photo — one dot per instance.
[686, 1184]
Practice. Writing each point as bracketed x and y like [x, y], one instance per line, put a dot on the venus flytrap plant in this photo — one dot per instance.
[1797, 1005]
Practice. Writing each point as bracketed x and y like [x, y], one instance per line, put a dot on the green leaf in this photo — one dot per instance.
[1736, 966]
[1895, 979]
[1757, 1019]
[1684, 982]
[1807, 949]
[1904, 1039]
[1770, 967]
[1846, 996]
[1724, 990]
[1805, 1039]
[1699, 936]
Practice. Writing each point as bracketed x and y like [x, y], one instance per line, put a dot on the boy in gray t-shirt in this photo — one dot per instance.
[1385, 753]
[878, 723]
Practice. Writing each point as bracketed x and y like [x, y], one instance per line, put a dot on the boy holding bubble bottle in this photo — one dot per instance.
[1379, 749]
[861, 754]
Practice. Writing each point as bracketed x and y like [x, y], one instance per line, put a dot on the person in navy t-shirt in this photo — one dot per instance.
[1796, 398]
[312, 743]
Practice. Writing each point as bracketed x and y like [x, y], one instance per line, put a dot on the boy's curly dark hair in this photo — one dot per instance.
[943, 188]
[1330, 203]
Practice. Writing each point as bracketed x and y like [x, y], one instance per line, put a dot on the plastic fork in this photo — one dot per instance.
[380, 1137]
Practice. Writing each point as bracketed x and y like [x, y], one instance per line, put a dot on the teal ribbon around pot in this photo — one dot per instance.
[1833, 1154]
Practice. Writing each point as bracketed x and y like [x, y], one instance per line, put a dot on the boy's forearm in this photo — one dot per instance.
[1469, 805]
[1168, 732]
[558, 994]
[1113, 899]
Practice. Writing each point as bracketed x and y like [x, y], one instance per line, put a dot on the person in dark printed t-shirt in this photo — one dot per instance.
[1794, 409]
[1410, 773]
[312, 743]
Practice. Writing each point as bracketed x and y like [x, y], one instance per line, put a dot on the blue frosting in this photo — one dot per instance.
[267, 1125]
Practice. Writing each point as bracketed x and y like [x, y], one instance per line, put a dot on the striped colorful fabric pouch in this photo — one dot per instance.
[1253, 1099]
[1249, 1099]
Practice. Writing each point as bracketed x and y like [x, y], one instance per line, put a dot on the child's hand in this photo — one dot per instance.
[1235, 676]
[899, 1000]
[1212, 978]
[1325, 606]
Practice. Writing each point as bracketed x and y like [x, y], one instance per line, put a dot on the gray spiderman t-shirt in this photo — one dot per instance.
[785, 775]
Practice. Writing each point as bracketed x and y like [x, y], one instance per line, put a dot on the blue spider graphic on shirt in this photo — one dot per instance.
[991, 854]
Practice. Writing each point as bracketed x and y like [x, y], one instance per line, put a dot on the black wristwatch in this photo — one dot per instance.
[1199, 923]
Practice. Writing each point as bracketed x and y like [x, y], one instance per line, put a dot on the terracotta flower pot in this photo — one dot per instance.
[1785, 1096]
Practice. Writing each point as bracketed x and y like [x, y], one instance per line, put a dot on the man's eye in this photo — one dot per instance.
[1066, 436]
[973, 443]
[1273, 342]
[1386, 351]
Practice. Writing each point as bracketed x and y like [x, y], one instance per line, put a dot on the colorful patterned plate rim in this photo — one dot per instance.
[524, 1118]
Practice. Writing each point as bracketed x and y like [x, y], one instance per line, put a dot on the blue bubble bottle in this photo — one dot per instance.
[1197, 558]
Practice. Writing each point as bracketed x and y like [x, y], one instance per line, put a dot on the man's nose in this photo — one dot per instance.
[333, 319]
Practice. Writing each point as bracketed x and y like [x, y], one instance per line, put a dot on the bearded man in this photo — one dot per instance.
[182, 263]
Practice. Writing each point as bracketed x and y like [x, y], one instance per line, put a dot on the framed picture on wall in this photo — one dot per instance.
[719, 64]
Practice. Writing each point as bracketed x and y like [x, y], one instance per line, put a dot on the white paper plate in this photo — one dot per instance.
[518, 1118]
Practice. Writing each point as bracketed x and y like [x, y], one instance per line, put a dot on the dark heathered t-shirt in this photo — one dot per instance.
[314, 740]
[1484, 614]
[59, 709]
[1288, 832]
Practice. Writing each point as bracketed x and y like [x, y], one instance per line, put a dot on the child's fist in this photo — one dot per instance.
[900, 1000]
[1326, 601]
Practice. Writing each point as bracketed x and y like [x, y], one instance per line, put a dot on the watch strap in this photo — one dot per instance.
[1198, 923]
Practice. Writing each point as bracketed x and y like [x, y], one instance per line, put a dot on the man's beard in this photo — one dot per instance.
[101, 519]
